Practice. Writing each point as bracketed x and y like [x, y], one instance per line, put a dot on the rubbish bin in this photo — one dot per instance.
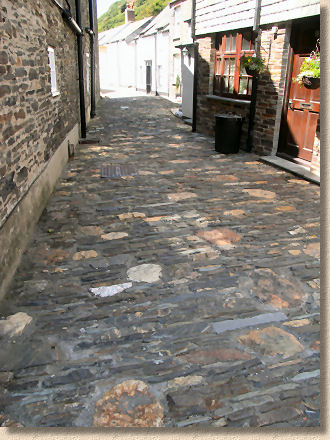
[228, 128]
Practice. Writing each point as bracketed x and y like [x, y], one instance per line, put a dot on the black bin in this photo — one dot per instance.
[228, 128]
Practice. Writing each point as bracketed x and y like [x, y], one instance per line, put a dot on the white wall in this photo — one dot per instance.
[145, 52]
[162, 62]
[187, 68]
[221, 15]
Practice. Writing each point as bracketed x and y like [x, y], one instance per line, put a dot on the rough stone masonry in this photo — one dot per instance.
[185, 295]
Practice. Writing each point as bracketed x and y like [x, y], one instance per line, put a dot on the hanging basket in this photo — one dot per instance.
[251, 72]
[311, 82]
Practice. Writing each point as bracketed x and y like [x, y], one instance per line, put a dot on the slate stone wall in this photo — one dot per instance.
[33, 123]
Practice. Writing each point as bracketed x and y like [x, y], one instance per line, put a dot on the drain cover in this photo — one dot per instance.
[116, 171]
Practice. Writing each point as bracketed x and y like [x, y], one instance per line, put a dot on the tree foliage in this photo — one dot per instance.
[115, 15]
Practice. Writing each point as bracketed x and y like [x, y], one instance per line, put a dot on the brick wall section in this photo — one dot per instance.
[207, 108]
[271, 86]
[33, 123]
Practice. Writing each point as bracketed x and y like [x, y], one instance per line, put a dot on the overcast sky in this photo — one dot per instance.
[103, 6]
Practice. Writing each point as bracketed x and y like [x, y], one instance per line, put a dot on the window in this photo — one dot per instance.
[52, 65]
[177, 21]
[229, 80]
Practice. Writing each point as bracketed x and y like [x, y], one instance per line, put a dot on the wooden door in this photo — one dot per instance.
[302, 110]
[148, 76]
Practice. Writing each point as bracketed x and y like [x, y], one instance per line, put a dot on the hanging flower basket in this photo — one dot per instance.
[253, 64]
[251, 72]
[309, 72]
[311, 82]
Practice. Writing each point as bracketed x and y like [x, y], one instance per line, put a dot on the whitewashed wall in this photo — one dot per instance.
[145, 51]
[221, 15]
[162, 62]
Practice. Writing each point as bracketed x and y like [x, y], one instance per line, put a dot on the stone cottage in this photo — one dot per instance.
[284, 123]
[48, 91]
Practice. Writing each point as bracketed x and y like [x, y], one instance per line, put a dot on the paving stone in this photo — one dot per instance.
[84, 255]
[221, 237]
[235, 324]
[128, 404]
[148, 273]
[14, 325]
[218, 247]
[105, 291]
[272, 341]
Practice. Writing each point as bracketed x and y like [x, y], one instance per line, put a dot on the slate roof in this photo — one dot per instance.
[125, 31]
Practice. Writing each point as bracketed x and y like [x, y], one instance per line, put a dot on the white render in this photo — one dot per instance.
[222, 15]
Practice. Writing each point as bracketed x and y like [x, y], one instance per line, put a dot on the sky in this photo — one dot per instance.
[103, 6]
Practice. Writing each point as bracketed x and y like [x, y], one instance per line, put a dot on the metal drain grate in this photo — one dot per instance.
[117, 171]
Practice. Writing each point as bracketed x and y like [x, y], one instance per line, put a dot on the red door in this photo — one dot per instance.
[302, 110]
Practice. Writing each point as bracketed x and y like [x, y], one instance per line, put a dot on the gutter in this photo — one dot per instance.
[195, 84]
[256, 28]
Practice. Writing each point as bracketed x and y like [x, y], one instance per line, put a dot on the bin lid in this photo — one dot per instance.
[228, 115]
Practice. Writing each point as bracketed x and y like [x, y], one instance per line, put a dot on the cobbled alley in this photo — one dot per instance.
[179, 290]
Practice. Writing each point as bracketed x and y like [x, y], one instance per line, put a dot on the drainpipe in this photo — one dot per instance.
[256, 28]
[156, 60]
[91, 33]
[81, 72]
[195, 46]
[66, 14]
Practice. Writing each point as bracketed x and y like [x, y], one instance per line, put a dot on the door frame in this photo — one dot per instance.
[283, 134]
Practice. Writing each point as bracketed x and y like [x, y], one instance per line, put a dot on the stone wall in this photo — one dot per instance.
[33, 122]
[271, 88]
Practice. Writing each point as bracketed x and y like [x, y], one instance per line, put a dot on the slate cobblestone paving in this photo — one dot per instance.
[213, 314]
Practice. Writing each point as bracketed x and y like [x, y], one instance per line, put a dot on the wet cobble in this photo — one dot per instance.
[184, 293]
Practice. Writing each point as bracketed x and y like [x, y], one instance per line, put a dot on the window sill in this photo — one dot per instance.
[54, 94]
[224, 99]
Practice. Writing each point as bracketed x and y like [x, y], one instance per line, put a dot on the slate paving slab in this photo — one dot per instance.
[184, 294]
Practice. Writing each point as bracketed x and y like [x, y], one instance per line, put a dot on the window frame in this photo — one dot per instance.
[220, 85]
[52, 65]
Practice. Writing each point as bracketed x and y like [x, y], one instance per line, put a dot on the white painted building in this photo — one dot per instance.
[152, 49]
[117, 54]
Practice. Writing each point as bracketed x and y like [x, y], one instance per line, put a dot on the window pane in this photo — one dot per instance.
[233, 43]
[225, 88]
[231, 84]
[250, 86]
[228, 43]
[232, 66]
[243, 86]
[226, 67]
[245, 43]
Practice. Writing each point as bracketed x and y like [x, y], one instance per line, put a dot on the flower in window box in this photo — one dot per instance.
[254, 64]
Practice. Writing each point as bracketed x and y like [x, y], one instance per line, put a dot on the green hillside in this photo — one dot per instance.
[115, 15]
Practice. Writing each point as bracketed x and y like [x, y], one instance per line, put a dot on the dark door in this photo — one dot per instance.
[301, 112]
[148, 76]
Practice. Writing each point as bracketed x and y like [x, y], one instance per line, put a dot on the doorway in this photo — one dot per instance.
[301, 113]
[148, 76]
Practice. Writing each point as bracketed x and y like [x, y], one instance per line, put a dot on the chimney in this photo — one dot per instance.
[129, 12]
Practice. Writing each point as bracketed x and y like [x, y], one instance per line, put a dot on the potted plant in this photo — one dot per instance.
[309, 74]
[254, 64]
[178, 85]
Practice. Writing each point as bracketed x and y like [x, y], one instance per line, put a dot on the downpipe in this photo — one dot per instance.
[81, 72]
[91, 33]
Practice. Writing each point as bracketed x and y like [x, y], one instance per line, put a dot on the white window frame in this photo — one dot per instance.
[52, 65]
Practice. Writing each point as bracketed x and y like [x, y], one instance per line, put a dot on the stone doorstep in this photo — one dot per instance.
[292, 167]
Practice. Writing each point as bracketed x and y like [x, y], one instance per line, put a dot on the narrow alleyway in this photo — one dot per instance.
[213, 314]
